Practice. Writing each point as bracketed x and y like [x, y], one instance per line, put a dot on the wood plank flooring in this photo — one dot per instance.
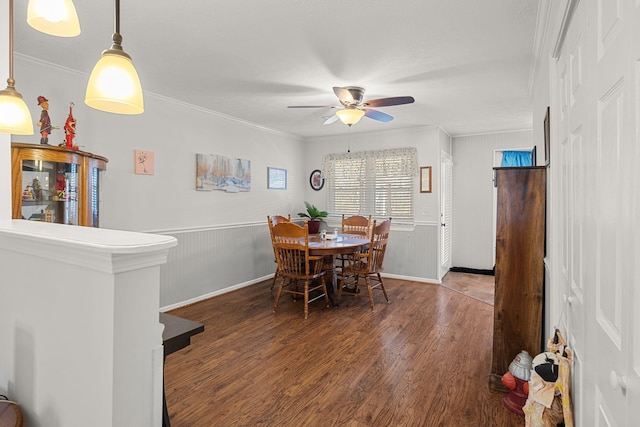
[422, 360]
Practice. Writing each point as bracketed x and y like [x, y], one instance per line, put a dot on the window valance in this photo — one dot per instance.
[394, 161]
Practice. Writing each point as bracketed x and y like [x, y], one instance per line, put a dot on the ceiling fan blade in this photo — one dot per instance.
[345, 97]
[312, 106]
[377, 115]
[386, 102]
[331, 119]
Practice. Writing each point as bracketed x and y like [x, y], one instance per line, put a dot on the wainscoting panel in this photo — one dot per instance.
[210, 261]
[413, 253]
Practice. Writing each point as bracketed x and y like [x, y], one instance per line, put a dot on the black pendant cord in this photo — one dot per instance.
[116, 47]
[10, 80]
[117, 17]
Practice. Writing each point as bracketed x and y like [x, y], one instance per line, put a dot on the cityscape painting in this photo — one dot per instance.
[215, 172]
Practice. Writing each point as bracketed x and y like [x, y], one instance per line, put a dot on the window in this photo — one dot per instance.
[378, 183]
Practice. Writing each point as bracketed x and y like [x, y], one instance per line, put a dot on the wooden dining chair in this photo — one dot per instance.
[277, 219]
[367, 265]
[273, 220]
[291, 244]
[356, 224]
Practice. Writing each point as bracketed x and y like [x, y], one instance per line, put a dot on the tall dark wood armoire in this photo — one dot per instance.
[519, 271]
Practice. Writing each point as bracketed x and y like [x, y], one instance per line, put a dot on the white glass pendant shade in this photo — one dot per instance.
[350, 116]
[114, 85]
[15, 117]
[55, 17]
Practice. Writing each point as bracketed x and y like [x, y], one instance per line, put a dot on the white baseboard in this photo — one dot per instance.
[214, 293]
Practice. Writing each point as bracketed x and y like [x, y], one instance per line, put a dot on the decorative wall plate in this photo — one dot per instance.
[316, 180]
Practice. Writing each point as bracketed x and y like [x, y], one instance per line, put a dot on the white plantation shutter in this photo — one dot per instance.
[447, 209]
[378, 183]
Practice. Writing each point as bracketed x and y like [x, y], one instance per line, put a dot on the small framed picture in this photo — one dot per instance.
[425, 179]
[316, 180]
[276, 178]
[144, 162]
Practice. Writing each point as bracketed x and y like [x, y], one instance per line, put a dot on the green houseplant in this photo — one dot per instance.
[314, 215]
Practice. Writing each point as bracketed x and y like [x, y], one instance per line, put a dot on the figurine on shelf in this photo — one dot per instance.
[27, 194]
[61, 185]
[70, 129]
[37, 189]
[45, 121]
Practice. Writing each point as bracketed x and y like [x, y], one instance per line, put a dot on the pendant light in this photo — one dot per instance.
[15, 117]
[350, 116]
[54, 17]
[114, 85]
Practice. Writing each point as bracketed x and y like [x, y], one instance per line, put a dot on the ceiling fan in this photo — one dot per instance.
[353, 108]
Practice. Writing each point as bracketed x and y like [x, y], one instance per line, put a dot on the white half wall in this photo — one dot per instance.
[79, 324]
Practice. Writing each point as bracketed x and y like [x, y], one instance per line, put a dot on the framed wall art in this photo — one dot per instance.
[217, 172]
[316, 180]
[276, 178]
[144, 162]
[425, 179]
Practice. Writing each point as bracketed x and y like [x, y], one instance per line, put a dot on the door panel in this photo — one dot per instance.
[571, 166]
[612, 102]
[446, 187]
[595, 263]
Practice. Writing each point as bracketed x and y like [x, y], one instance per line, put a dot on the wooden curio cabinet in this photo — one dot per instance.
[56, 184]
[519, 270]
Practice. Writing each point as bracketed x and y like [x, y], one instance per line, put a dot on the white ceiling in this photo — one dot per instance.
[466, 62]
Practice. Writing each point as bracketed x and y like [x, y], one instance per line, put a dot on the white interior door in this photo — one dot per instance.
[446, 186]
[571, 165]
[594, 161]
[616, 94]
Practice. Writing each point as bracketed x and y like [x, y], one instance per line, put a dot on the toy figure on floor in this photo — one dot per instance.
[45, 121]
[70, 129]
[549, 400]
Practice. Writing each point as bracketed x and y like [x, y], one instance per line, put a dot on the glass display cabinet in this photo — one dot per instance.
[56, 184]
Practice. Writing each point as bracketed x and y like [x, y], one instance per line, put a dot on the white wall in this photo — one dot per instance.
[175, 132]
[427, 140]
[413, 251]
[473, 244]
[5, 147]
[168, 203]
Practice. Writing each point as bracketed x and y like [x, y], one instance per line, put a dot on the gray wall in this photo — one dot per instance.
[473, 240]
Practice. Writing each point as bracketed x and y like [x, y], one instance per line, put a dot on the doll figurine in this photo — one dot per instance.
[45, 121]
[70, 128]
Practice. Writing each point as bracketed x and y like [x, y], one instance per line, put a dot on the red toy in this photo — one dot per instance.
[70, 129]
[61, 185]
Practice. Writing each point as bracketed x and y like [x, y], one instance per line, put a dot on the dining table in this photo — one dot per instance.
[331, 245]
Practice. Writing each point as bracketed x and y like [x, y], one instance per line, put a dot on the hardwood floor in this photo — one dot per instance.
[422, 360]
[478, 286]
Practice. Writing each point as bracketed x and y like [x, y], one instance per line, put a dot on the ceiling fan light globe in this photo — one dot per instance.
[350, 116]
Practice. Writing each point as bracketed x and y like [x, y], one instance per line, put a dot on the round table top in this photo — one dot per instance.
[343, 244]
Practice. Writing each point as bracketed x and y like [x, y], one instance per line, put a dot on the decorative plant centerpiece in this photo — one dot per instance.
[315, 217]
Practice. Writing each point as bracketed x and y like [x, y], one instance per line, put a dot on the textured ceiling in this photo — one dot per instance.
[466, 62]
